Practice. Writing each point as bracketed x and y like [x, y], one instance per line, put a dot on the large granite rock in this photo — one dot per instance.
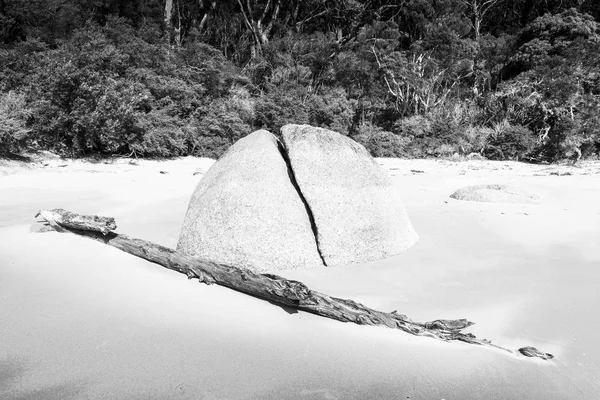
[246, 212]
[356, 208]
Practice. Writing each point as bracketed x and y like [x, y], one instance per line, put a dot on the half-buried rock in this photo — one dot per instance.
[357, 210]
[247, 213]
[496, 194]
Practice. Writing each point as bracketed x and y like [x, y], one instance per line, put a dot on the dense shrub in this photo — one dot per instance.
[331, 109]
[83, 110]
[474, 139]
[412, 79]
[280, 106]
[225, 122]
[381, 143]
[510, 142]
[158, 134]
[106, 90]
[14, 133]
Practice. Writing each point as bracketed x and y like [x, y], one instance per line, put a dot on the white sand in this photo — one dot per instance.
[80, 320]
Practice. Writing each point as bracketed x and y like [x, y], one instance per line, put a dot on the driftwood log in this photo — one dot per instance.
[273, 288]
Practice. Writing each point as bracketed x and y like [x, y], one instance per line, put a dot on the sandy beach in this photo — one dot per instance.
[81, 320]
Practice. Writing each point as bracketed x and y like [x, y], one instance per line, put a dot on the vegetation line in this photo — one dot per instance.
[416, 78]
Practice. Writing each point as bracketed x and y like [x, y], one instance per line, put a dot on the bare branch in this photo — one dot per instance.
[265, 11]
[274, 16]
[246, 18]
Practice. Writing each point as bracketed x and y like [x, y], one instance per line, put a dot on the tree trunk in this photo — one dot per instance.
[168, 15]
[273, 288]
[202, 23]
[260, 28]
[178, 30]
[476, 21]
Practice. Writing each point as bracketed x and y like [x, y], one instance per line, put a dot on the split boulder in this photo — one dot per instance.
[357, 210]
[246, 211]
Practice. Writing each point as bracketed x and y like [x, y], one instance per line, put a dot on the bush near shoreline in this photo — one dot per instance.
[136, 78]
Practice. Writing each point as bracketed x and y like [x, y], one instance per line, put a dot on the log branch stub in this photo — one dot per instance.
[68, 219]
[270, 287]
[530, 351]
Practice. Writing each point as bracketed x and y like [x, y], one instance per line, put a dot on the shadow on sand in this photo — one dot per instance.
[13, 371]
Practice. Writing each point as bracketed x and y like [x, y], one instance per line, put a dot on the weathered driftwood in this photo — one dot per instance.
[273, 288]
[62, 218]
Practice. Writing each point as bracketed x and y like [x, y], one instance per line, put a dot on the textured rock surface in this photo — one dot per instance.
[246, 212]
[357, 210]
[496, 194]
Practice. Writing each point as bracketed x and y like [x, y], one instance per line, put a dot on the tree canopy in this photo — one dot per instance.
[508, 79]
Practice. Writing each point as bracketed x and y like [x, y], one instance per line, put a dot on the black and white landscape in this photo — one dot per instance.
[426, 166]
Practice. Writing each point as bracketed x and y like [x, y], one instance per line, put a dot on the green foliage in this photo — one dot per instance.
[106, 90]
[14, 113]
[381, 143]
[510, 142]
[331, 109]
[158, 135]
[556, 96]
[281, 105]
[411, 78]
[548, 39]
[226, 121]
[18, 62]
[81, 103]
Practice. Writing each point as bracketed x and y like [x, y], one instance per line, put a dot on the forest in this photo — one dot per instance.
[504, 79]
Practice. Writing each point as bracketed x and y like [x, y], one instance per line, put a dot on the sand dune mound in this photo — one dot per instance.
[496, 194]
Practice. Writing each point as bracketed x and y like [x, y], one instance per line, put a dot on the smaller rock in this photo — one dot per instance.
[496, 194]
[476, 156]
[559, 173]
